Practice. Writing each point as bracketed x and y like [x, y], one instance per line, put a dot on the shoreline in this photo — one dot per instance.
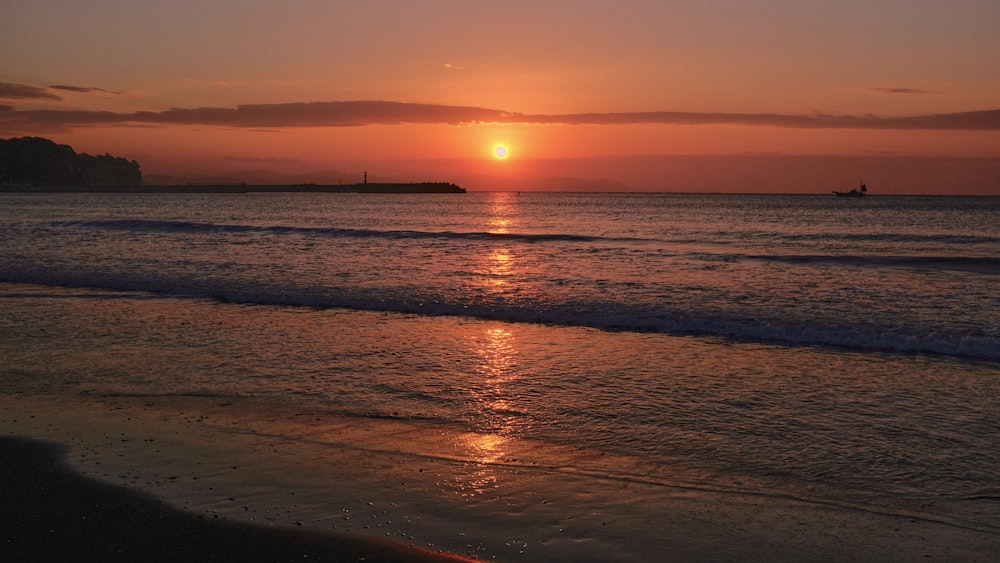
[209, 461]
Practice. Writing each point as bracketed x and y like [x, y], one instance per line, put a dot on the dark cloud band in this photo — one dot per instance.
[360, 113]
[10, 91]
[85, 89]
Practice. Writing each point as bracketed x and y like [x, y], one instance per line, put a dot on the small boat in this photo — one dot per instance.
[856, 192]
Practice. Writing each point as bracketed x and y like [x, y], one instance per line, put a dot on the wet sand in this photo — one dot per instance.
[52, 513]
[199, 478]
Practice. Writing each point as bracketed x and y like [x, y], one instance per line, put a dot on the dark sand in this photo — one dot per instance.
[196, 479]
[51, 513]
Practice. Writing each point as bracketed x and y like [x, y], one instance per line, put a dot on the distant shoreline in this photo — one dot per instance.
[366, 188]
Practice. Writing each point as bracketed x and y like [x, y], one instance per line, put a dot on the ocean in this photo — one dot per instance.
[841, 353]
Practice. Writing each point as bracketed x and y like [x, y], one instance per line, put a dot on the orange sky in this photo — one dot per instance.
[312, 87]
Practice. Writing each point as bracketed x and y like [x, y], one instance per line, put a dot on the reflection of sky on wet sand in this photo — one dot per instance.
[482, 476]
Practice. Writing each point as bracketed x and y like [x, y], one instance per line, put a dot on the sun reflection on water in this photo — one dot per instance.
[502, 210]
[495, 413]
[498, 225]
[489, 446]
[499, 269]
[496, 270]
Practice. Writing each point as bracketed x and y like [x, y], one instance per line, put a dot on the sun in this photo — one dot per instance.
[500, 152]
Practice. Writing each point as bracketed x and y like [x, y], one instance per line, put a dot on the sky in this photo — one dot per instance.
[582, 94]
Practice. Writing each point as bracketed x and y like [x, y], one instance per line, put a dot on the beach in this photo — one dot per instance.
[233, 494]
[503, 377]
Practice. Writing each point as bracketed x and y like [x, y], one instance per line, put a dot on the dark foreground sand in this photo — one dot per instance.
[51, 513]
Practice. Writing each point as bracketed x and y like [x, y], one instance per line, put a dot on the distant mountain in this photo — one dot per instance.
[34, 162]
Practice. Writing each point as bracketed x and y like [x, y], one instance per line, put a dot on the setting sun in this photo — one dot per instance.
[500, 152]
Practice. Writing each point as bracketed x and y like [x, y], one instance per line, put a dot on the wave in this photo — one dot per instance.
[147, 225]
[940, 238]
[975, 264]
[606, 315]
[593, 309]
[134, 225]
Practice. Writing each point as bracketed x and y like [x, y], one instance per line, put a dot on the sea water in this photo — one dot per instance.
[841, 351]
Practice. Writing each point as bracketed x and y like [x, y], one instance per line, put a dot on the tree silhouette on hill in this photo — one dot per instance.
[39, 162]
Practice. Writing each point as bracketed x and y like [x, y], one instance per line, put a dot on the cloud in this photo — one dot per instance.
[309, 114]
[23, 91]
[361, 113]
[329, 114]
[86, 89]
[901, 90]
[974, 120]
